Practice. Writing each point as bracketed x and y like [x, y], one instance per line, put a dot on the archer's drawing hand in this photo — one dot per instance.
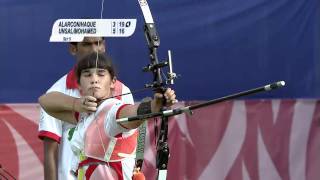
[86, 104]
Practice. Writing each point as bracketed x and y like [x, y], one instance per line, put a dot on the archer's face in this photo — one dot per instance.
[88, 46]
[96, 82]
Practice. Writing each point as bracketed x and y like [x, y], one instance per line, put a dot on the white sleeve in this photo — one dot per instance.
[112, 128]
[49, 126]
[127, 99]
[59, 86]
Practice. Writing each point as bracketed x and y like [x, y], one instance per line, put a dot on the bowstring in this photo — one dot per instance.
[95, 119]
[101, 16]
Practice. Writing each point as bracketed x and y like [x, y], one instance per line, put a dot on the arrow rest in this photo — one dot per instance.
[156, 66]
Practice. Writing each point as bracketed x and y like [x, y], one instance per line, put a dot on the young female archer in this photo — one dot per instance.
[103, 148]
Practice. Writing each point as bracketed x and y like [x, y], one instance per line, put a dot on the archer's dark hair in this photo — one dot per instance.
[95, 60]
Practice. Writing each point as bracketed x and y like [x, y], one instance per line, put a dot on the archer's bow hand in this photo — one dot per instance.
[168, 98]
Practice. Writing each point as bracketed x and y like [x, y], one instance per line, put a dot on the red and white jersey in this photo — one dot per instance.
[55, 129]
[109, 147]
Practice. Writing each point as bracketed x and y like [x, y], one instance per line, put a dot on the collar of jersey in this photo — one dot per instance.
[71, 81]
